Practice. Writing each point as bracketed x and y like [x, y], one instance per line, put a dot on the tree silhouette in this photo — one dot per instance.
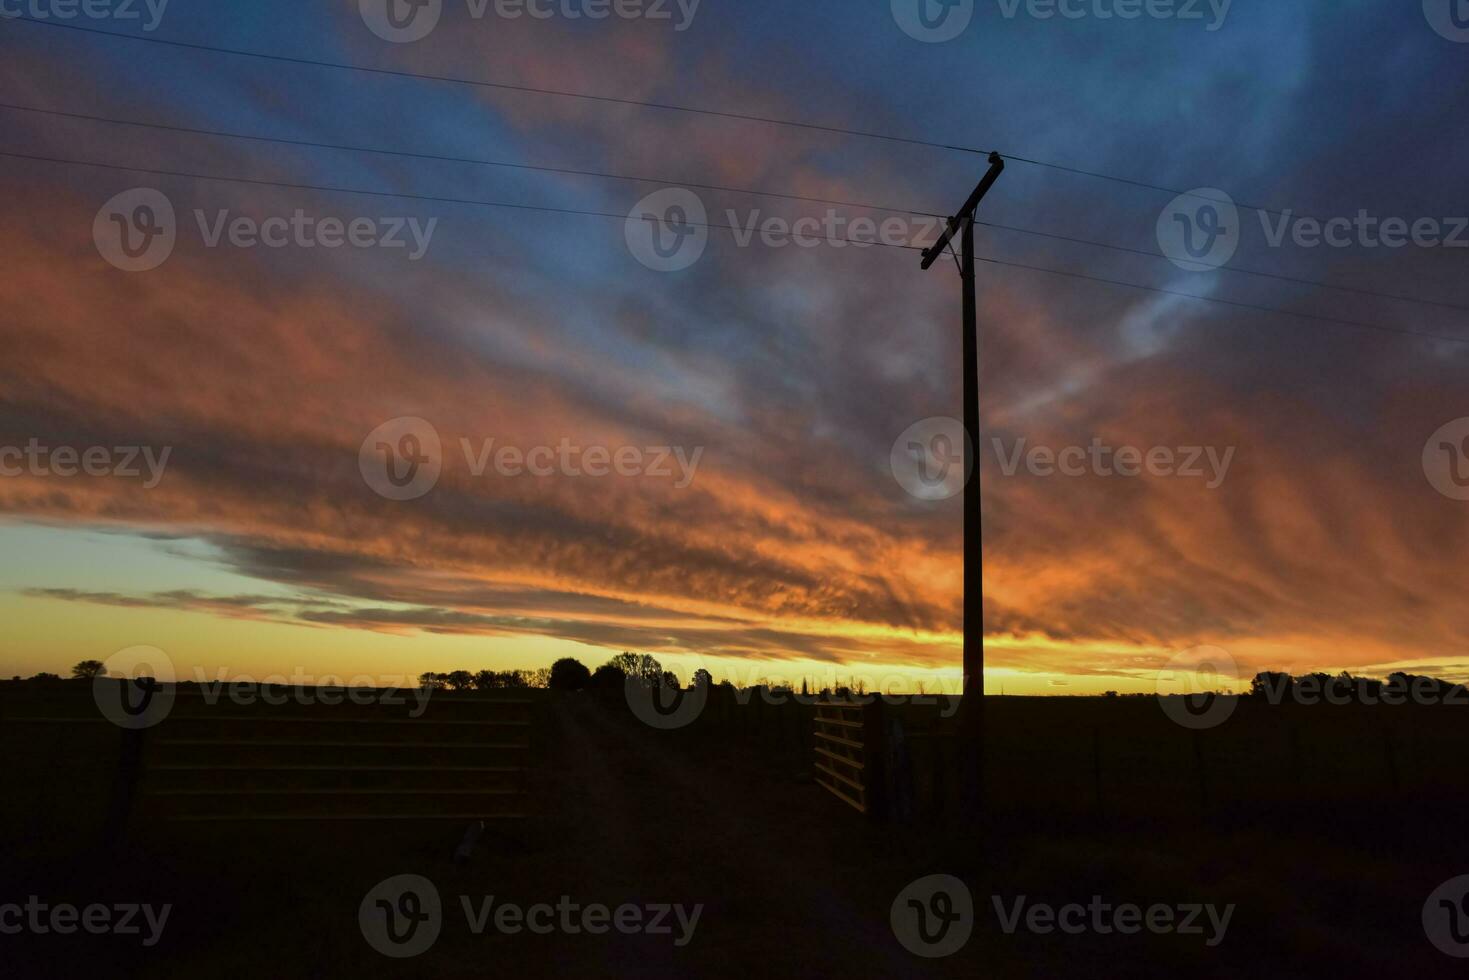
[608, 677]
[88, 669]
[569, 674]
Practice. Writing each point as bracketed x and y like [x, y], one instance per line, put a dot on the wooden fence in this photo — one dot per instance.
[463, 758]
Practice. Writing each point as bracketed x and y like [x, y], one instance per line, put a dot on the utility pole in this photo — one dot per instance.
[971, 716]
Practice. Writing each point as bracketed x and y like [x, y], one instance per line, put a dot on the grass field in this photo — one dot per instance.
[1326, 828]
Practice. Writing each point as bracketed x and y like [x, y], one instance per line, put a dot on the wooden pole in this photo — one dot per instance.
[971, 719]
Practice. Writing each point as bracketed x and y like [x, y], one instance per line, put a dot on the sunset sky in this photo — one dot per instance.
[792, 550]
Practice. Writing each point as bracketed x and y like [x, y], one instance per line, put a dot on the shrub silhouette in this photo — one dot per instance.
[608, 677]
[569, 674]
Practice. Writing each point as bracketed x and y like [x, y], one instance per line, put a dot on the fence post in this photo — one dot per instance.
[1097, 771]
[874, 759]
[125, 785]
[1390, 752]
[1203, 772]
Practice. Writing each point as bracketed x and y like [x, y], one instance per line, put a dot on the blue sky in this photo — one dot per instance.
[793, 369]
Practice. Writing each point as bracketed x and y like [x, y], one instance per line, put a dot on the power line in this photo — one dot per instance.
[1359, 324]
[260, 182]
[1226, 268]
[607, 175]
[479, 161]
[1157, 187]
[668, 106]
[732, 228]
[504, 86]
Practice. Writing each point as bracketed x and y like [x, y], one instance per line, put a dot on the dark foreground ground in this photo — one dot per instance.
[791, 883]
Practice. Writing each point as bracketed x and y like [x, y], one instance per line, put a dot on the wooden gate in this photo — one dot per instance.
[848, 763]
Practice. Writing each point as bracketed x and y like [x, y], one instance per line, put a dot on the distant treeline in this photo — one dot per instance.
[570, 674]
[1398, 687]
[566, 674]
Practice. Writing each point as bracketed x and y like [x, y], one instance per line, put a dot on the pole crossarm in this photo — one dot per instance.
[931, 254]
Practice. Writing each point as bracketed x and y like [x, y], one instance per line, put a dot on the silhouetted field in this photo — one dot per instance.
[1326, 826]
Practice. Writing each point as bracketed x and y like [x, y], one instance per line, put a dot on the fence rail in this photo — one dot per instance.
[848, 753]
[469, 758]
